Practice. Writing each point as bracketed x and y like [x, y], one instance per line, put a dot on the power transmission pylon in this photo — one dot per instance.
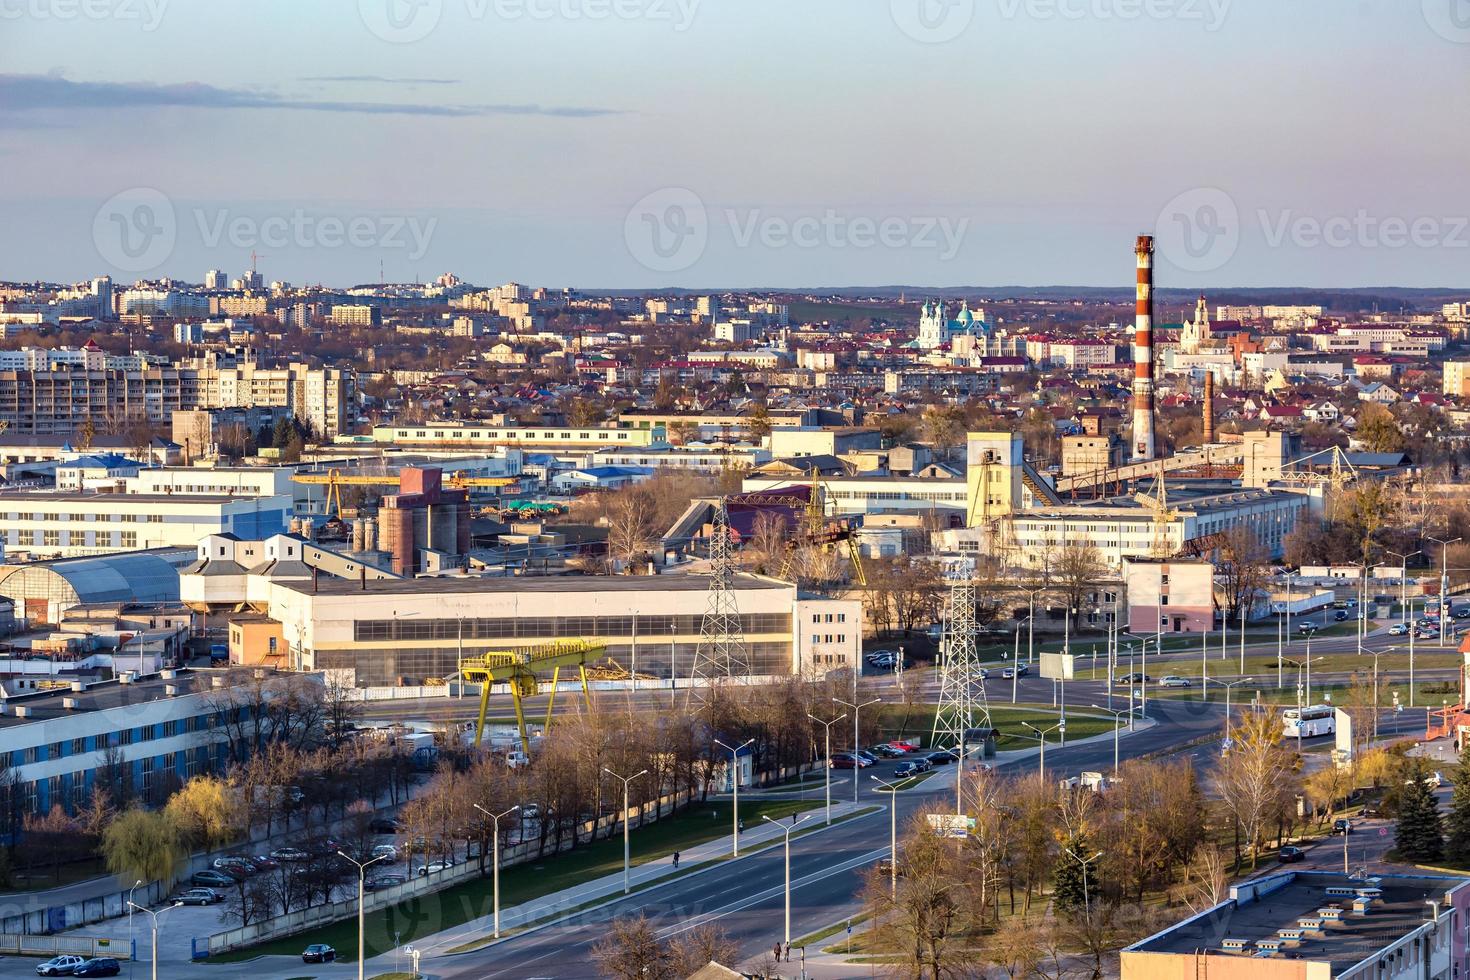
[962, 701]
[721, 653]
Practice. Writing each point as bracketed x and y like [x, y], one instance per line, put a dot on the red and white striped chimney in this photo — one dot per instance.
[1143, 353]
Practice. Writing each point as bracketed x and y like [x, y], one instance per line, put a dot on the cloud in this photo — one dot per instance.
[55, 94]
[381, 79]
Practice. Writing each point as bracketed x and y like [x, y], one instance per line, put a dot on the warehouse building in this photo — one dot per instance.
[404, 631]
[42, 591]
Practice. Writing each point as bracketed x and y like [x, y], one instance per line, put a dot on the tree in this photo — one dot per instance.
[1079, 567]
[1254, 776]
[1074, 882]
[631, 951]
[1420, 833]
[205, 812]
[630, 528]
[1457, 825]
[52, 838]
[1378, 431]
[693, 949]
[1244, 570]
[143, 844]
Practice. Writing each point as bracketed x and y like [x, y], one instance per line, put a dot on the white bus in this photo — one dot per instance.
[1319, 719]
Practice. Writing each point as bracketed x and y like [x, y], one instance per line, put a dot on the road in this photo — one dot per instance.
[745, 897]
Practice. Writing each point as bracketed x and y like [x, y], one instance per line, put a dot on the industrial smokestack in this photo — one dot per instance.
[1143, 353]
[1209, 409]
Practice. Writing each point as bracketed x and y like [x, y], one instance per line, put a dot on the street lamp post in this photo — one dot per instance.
[625, 781]
[154, 916]
[132, 947]
[362, 867]
[827, 741]
[1444, 582]
[1228, 688]
[1117, 727]
[495, 819]
[892, 835]
[856, 709]
[1086, 904]
[786, 831]
[1041, 734]
[735, 786]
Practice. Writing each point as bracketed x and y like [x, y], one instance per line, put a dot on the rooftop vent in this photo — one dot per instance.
[171, 690]
[70, 704]
[126, 677]
[168, 675]
[1362, 905]
[23, 711]
[78, 687]
[216, 681]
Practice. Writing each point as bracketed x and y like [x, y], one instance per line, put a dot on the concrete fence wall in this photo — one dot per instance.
[321, 915]
[20, 917]
[19, 944]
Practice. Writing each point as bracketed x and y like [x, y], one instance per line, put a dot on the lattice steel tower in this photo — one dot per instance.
[721, 653]
[962, 701]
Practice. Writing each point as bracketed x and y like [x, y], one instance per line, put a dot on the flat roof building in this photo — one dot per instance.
[395, 631]
[1312, 925]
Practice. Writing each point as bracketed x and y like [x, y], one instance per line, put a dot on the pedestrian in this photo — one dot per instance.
[778, 952]
[676, 859]
[740, 828]
[788, 952]
[793, 819]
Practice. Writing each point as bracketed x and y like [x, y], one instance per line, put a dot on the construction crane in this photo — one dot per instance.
[334, 480]
[521, 670]
[1157, 505]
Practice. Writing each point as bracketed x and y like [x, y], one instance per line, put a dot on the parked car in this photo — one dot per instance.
[942, 758]
[1307, 627]
[1290, 855]
[1398, 629]
[867, 757]
[1342, 825]
[923, 763]
[383, 881]
[885, 751]
[1371, 810]
[1340, 615]
[1461, 612]
[905, 769]
[1173, 681]
[434, 867]
[60, 966]
[212, 879]
[292, 854]
[101, 966]
[234, 863]
[384, 825]
[198, 896]
[1433, 780]
[844, 760]
[904, 746]
[318, 953]
[387, 852]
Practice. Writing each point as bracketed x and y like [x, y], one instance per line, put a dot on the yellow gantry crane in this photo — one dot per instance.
[1157, 505]
[521, 670]
[334, 480]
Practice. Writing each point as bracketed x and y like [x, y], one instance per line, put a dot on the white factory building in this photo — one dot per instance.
[388, 632]
[55, 524]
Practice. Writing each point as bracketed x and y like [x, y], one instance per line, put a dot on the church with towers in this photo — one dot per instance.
[936, 329]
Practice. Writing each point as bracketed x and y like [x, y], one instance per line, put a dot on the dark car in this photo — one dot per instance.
[1340, 615]
[1290, 855]
[102, 966]
[384, 825]
[1342, 825]
[1134, 678]
[384, 881]
[318, 953]
[905, 769]
[212, 879]
[942, 758]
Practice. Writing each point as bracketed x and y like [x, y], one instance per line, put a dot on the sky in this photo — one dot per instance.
[738, 143]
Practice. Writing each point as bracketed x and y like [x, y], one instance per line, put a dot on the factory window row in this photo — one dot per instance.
[89, 518]
[120, 737]
[554, 627]
[74, 539]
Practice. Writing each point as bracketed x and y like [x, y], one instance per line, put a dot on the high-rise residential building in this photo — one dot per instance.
[45, 392]
[355, 315]
[216, 279]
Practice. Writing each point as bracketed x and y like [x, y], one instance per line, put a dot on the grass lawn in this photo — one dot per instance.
[420, 917]
[896, 722]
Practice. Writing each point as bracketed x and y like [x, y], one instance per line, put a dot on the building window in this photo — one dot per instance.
[130, 539]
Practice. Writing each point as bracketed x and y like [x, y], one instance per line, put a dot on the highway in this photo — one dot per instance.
[745, 897]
